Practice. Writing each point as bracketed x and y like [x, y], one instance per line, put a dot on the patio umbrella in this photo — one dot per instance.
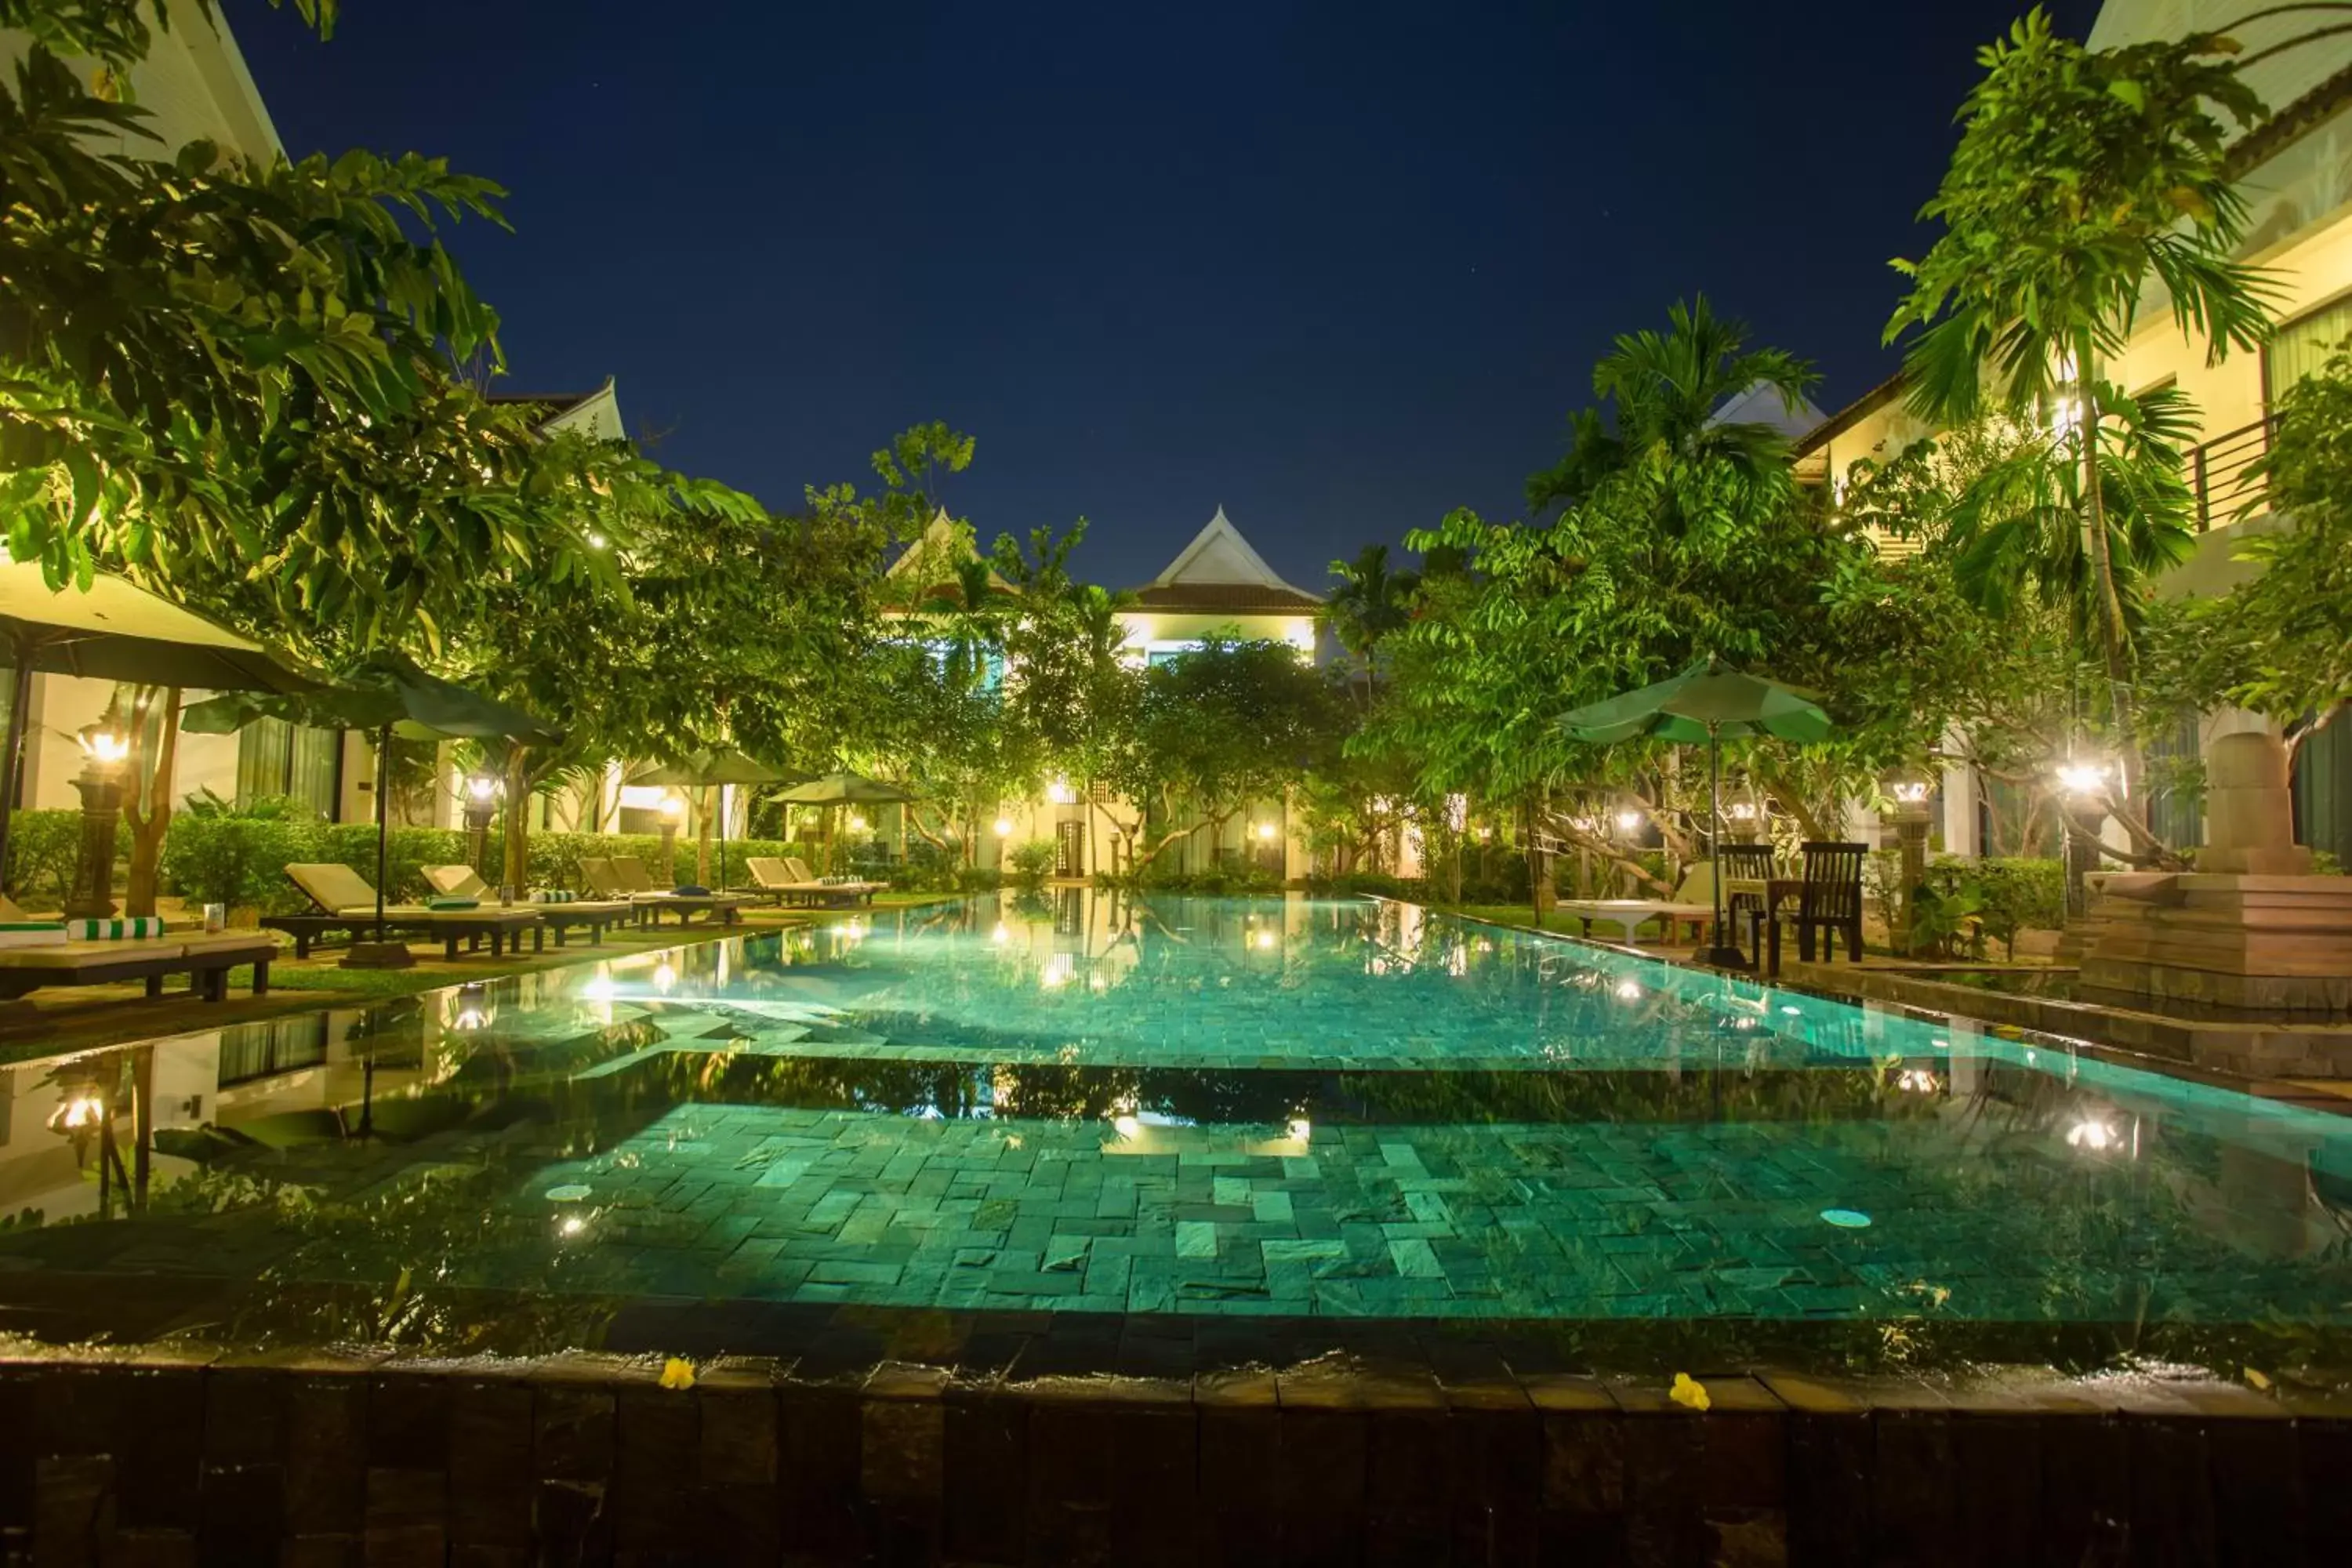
[1706, 702]
[711, 766]
[388, 695]
[845, 789]
[113, 630]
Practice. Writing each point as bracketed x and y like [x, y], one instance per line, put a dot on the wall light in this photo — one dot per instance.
[1004, 828]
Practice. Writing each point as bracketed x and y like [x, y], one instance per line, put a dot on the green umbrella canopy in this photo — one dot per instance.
[115, 631]
[112, 630]
[713, 765]
[385, 690]
[845, 789]
[1710, 698]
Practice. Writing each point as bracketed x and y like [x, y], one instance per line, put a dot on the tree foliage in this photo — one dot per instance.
[2281, 644]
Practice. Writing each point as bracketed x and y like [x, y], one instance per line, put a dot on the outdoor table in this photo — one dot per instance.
[1770, 892]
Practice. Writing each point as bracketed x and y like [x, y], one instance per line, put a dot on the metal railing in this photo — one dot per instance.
[2219, 474]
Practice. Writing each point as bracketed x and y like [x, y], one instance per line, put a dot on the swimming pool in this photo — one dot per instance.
[1163, 1108]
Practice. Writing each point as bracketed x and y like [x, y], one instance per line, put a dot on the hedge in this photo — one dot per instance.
[240, 861]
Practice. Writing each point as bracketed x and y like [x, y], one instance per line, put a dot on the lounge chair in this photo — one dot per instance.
[594, 914]
[787, 881]
[1693, 904]
[28, 963]
[345, 902]
[624, 877]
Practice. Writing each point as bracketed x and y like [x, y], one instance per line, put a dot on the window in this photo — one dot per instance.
[275, 758]
[2301, 346]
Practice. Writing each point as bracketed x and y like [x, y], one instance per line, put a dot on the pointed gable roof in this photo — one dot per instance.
[1219, 571]
[1758, 404]
[945, 545]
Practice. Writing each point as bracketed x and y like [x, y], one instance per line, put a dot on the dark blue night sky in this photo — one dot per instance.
[1338, 266]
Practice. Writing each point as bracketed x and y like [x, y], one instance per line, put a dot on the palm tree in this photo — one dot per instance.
[1369, 603]
[2020, 526]
[1664, 391]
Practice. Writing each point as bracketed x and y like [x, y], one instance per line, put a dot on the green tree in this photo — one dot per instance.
[2083, 180]
[206, 364]
[2281, 644]
[1655, 442]
[1370, 602]
[1215, 731]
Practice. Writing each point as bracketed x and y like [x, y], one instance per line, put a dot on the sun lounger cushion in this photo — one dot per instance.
[197, 941]
[31, 933]
[114, 930]
[89, 955]
[456, 881]
[332, 885]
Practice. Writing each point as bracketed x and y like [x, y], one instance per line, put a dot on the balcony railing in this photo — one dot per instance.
[2219, 474]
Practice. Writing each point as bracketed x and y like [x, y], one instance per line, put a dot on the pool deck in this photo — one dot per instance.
[909, 1446]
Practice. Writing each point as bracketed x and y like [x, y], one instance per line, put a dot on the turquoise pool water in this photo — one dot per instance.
[1280, 1108]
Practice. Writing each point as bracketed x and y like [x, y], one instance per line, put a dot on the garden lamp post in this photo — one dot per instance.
[672, 811]
[481, 805]
[2079, 783]
[1909, 818]
[103, 751]
[1744, 819]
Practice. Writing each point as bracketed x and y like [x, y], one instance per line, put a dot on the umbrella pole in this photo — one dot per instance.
[21, 699]
[380, 953]
[383, 819]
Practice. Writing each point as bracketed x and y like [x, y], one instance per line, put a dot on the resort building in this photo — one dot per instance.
[2296, 173]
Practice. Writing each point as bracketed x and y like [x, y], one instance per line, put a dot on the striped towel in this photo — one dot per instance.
[31, 933]
[452, 901]
[114, 930]
[554, 896]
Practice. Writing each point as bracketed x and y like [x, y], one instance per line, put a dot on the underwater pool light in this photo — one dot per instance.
[1846, 1220]
[2093, 1134]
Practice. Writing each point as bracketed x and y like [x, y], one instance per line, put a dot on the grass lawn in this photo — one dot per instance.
[89, 1018]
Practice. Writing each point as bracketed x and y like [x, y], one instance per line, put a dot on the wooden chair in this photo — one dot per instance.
[1830, 902]
[1745, 862]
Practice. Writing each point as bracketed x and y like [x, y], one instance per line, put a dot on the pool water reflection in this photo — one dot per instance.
[1282, 1106]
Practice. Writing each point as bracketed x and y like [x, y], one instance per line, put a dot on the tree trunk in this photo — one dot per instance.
[702, 814]
[515, 869]
[147, 804]
[2113, 651]
[1540, 890]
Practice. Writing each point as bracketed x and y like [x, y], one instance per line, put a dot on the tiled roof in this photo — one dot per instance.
[1214, 597]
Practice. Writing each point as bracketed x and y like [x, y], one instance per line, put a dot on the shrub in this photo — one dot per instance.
[1030, 863]
[1216, 882]
[234, 857]
[43, 846]
[2010, 894]
[1351, 884]
[236, 860]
